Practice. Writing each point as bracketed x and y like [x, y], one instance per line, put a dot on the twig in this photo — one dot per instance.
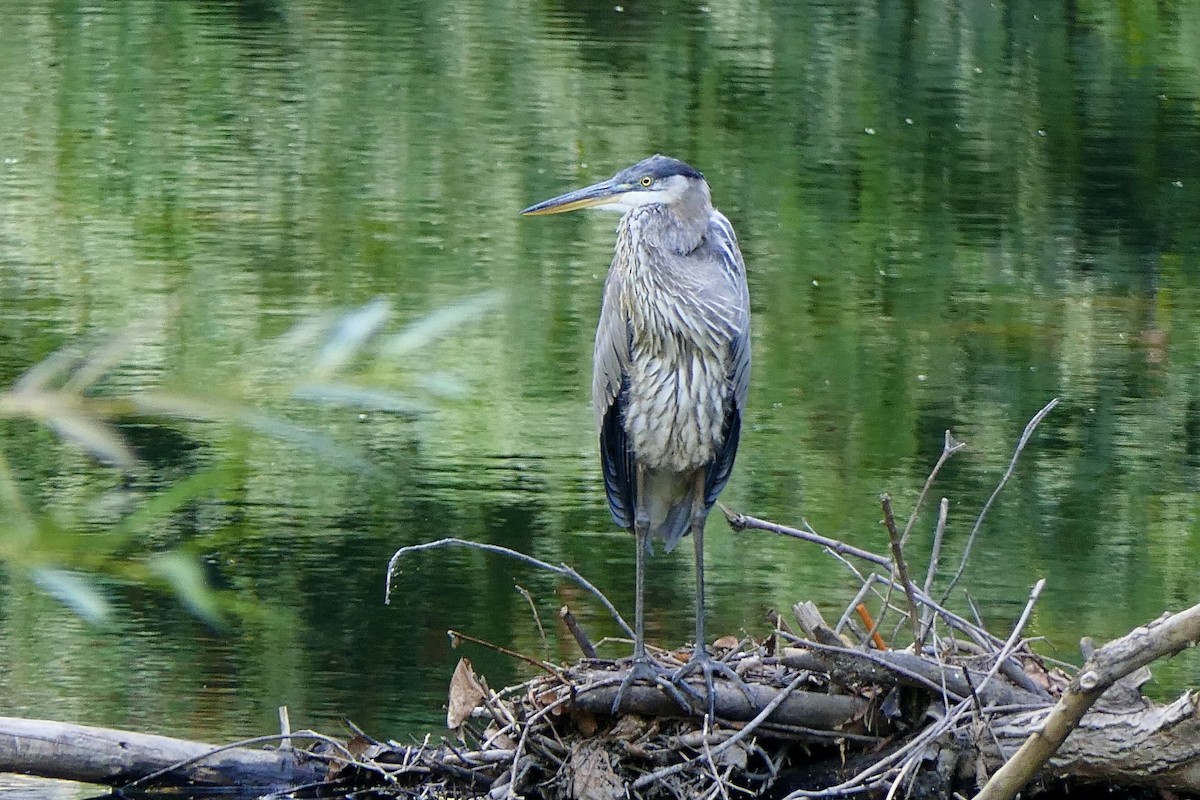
[740, 522]
[746, 730]
[868, 586]
[1014, 639]
[939, 534]
[514, 775]
[1030, 427]
[904, 770]
[883, 609]
[889, 522]
[581, 638]
[978, 634]
[285, 729]
[552, 669]
[950, 446]
[537, 618]
[561, 569]
[865, 616]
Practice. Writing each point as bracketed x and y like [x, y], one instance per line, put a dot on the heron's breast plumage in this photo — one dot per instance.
[678, 370]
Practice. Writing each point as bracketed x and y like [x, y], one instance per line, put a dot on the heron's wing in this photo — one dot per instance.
[610, 392]
[736, 323]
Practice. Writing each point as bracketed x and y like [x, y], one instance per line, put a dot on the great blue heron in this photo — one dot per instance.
[670, 372]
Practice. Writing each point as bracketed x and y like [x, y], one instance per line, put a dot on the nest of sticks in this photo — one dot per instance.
[838, 712]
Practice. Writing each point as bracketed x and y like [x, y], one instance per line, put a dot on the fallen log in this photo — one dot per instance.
[819, 711]
[1158, 746]
[107, 757]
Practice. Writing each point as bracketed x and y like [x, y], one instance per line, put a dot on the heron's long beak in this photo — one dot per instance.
[598, 194]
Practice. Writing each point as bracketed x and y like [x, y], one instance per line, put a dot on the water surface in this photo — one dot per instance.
[950, 215]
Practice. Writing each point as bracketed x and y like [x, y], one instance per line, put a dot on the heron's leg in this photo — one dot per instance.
[641, 533]
[701, 661]
[642, 668]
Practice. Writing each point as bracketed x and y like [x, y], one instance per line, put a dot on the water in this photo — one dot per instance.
[950, 216]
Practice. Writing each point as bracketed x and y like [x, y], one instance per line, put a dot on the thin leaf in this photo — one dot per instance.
[186, 578]
[348, 336]
[74, 592]
[160, 506]
[441, 384]
[440, 323]
[307, 332]
[319, 444]
[46, 371]
[104, 358]
[94, 436]
[358, 397]
[179, 406]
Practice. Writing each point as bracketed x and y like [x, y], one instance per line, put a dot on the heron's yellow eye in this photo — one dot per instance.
[646, 181]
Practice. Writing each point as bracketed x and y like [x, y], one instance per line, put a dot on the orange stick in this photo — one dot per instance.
[865, 616]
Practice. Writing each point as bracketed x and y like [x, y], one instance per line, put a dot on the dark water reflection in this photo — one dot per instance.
[951, 215]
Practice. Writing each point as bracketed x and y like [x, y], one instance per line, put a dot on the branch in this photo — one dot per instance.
[950, 446]
[1164, 637]
[939, 535]
[889, 522]
[740, 522]
[561, 569]
[1026, 435]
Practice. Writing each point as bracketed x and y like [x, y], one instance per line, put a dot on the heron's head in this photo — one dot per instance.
[657, 180]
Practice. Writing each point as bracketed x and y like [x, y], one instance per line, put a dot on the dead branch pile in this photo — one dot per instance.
[830, 720]
[837, 712]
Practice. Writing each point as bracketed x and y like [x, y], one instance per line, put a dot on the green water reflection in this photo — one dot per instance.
[950, 213]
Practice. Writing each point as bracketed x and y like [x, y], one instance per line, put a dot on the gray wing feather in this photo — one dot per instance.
[723, 242]
[610, 361]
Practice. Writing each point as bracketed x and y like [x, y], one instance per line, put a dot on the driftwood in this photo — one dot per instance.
[118, 758]
[1152, 745]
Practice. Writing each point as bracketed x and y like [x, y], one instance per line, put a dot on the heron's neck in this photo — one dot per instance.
[678, 228]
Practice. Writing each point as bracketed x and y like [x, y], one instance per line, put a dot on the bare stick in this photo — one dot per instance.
[939, 534]
[581, 638]
[1014, 639]
[285, 729]
[868, 586]
[515, 775]
[537, 618]
[552, 669]
[1026, 435]
[561, 569]
[878, 659]
[950, 446]
[883, 609]
[1165, 636]
[865, 616]
[889, 522]
[740, 522]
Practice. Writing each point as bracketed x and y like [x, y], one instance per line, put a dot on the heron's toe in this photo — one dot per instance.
[644, 670]
[709, 667]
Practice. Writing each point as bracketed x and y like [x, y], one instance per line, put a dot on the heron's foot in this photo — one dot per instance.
[647, 671]
[710, 667]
